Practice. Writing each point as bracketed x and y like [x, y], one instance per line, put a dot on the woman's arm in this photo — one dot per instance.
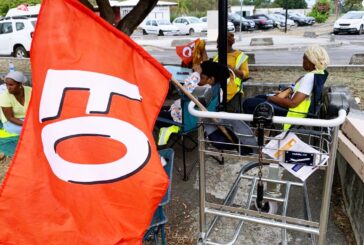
[242, 72]
[8, 113]
[288, 102]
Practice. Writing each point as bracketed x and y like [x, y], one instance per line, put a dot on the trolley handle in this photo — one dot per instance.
[276, 119]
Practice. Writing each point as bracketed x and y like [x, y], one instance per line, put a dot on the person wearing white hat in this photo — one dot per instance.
[14, 101]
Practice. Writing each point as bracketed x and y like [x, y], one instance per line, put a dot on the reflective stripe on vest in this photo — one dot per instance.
[239, 61]
[6, 134]
[165, 133]
[301, 110]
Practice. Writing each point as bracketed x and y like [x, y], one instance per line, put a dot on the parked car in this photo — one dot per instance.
[230, 25]
[300, 19]
[16, 36]
[352, 21]
[159, 27]
[190, 25]
[261, 22]
[265, 16]
[280, 21]
[246, 25]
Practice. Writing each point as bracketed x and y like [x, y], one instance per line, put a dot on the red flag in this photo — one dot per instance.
[23, 7]
[86, 170]
[185, 52]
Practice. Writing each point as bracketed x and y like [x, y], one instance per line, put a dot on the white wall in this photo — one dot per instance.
[159, 12]
[212, 25]
[248, 9]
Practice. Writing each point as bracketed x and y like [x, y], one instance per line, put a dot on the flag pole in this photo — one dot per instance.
[201, 107]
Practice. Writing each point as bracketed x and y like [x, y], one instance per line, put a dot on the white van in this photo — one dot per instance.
[16, 36]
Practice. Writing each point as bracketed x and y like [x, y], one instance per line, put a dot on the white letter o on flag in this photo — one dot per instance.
[187, 52]
[135, 141]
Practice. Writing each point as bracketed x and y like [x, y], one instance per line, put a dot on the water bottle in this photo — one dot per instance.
[11, 67]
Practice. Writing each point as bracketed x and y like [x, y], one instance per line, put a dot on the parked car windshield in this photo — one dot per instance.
[352, 15]
[277, 17]
[237, 17]
[194, 20]
[164, 22]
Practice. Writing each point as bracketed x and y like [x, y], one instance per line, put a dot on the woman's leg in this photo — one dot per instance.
[250, 104]
[12, 128]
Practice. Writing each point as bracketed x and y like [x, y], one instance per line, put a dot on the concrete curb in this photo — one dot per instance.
[258, 48]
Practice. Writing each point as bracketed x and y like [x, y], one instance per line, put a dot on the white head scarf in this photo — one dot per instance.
[17, 76]
[318, 56]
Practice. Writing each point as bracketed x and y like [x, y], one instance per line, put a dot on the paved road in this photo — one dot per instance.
[339, 55]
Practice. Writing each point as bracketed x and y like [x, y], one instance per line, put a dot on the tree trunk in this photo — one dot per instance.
[136, 16]
[87, 4]
[131, 21]
[106, 12]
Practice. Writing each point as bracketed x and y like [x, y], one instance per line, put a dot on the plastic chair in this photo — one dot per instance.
[189, 123]
[207, 96]
[7, 143]
[156, 227]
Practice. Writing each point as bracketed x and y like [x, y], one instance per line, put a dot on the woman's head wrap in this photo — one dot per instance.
[318, 56]
[17, 76]
[213, 69]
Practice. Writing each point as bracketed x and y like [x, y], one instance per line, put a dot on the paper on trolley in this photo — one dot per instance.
[278, 146]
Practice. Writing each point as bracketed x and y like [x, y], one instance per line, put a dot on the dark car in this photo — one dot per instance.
[275, 24]
[246, 25]
[261, 22]
[300, 19]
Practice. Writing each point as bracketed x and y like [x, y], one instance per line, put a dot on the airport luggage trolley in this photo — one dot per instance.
[322, 135]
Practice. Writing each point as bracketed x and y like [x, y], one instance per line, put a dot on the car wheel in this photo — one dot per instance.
[191, 31]
[145, 32]
[361, 31]
[336, 32]
[20, 52]
[161, 33]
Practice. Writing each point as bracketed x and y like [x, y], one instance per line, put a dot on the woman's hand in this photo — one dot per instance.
[285, 93]
[238, 73]
[197, 68]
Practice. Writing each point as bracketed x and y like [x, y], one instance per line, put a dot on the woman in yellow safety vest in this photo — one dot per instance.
[237, 62]
[295, 101]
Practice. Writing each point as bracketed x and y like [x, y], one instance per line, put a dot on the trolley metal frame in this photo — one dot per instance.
[328, 142]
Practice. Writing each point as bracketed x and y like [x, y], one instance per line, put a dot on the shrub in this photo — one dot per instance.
[320, 11]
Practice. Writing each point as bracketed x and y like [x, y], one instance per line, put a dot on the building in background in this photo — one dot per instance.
[246, 9]
[160, 12]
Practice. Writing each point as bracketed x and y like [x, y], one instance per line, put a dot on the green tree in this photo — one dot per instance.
[352, 5]
[258, 3]
[321, 11]
[5, 5]
[291, 4]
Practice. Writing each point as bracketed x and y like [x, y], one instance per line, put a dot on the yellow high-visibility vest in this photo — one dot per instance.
[301, 110]
[239, 61]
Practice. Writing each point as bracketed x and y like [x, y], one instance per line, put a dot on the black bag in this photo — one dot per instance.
[244, 139]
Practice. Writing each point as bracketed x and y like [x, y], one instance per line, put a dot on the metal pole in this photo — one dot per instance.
[285, 27]
[241, 18]
[202, 183]
[325, 205]
[222, 45]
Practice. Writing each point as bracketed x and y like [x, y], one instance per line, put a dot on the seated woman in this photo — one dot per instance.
[206, 74]
[14, 102]
[295, 101]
